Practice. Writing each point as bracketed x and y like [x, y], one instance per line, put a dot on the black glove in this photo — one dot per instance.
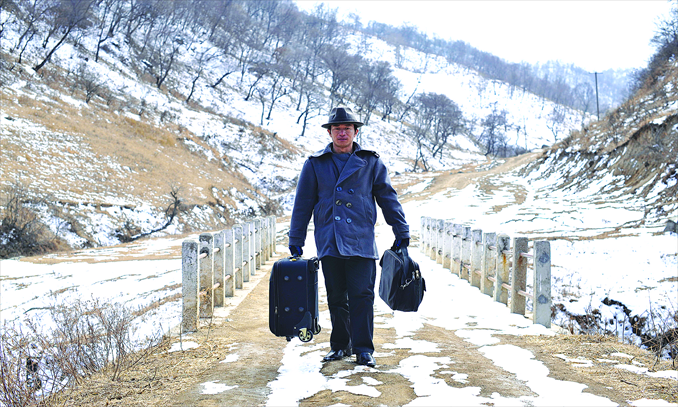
[400, 243]
[296, 251]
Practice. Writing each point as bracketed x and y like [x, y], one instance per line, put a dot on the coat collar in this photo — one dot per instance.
[354, 163]
[356, 149]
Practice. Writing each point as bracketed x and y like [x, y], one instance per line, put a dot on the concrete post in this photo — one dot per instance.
[476, 257]
[422, 234]
[265, 224]
[253, 250]
[456, 248]
[273, 235]
[238, 254]
[206, 265]
[427, 232]
[246, 253]
[189, 286]
[518, 275]
[229, 263]
[489, 263]
[501, 294]
[542, 283]
[434, 239]
[219, 269]
[440, 239]
[257, 243]
[466, 245]
[447, 245]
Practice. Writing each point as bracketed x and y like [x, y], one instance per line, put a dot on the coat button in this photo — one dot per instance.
[351, 191]
[348, 220]
[338, 202]
[339, 189]
[348, 204]
[337, 218]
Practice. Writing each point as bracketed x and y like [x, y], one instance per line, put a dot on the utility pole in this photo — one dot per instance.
[597, 106]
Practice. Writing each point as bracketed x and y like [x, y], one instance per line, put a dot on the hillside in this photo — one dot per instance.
[130, 125]
[629, 157]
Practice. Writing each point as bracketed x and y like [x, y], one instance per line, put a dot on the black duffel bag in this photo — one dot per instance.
[401, 286]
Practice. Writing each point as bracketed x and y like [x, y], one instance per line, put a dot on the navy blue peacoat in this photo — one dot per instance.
[343, 205]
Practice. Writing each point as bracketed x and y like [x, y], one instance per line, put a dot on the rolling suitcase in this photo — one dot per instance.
[293, 298]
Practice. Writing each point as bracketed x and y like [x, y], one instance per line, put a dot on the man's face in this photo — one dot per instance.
[342, 136]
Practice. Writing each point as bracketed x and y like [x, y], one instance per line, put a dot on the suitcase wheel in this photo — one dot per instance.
[305, 335]
[289, 338]
[316, 330]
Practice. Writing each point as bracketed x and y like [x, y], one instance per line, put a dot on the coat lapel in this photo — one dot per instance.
[353, 164]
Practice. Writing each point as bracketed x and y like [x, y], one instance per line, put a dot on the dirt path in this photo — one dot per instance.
[210, 375]
[247, 332]
[260, 355]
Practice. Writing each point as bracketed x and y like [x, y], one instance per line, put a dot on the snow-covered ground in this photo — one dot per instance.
[638, 269]
[446, 305]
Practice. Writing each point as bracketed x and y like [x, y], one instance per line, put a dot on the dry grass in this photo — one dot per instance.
[624, 385]
[103, 142]
[474, 173]
[147, 384]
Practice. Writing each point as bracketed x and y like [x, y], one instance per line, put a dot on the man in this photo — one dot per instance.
[339, 186]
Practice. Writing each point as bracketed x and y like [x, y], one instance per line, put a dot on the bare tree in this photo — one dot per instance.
[342, 65]
[166, 42]
[409, 102]
[139, 13]
[418, 133]
[378, 83]
[437, 119]
[494, 130]
[216, 14]
[279, 71]
[34, 13]
[258, 72]
[203, 58]
[129, 233]
[224, 43]
[88, 81]
[555, 121]
[583, 96]
[68, 16]
[5, 17]
[387, 96]
[110, 16]
[319, 30]
[21, 230]
[314, 102]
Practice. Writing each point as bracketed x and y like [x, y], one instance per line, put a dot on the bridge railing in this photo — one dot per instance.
[217, 264]
[494, 264]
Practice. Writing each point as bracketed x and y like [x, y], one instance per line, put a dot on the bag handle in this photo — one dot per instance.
[408, 264]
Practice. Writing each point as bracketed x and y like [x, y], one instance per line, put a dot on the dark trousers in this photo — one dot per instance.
[350, 297]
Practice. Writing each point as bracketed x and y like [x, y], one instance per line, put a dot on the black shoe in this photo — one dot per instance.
[365, 359]
[337, 355]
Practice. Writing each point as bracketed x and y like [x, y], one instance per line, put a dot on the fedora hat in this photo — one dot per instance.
[342, 115]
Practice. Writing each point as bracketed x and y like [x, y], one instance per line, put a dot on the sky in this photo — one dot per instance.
[595, 35]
